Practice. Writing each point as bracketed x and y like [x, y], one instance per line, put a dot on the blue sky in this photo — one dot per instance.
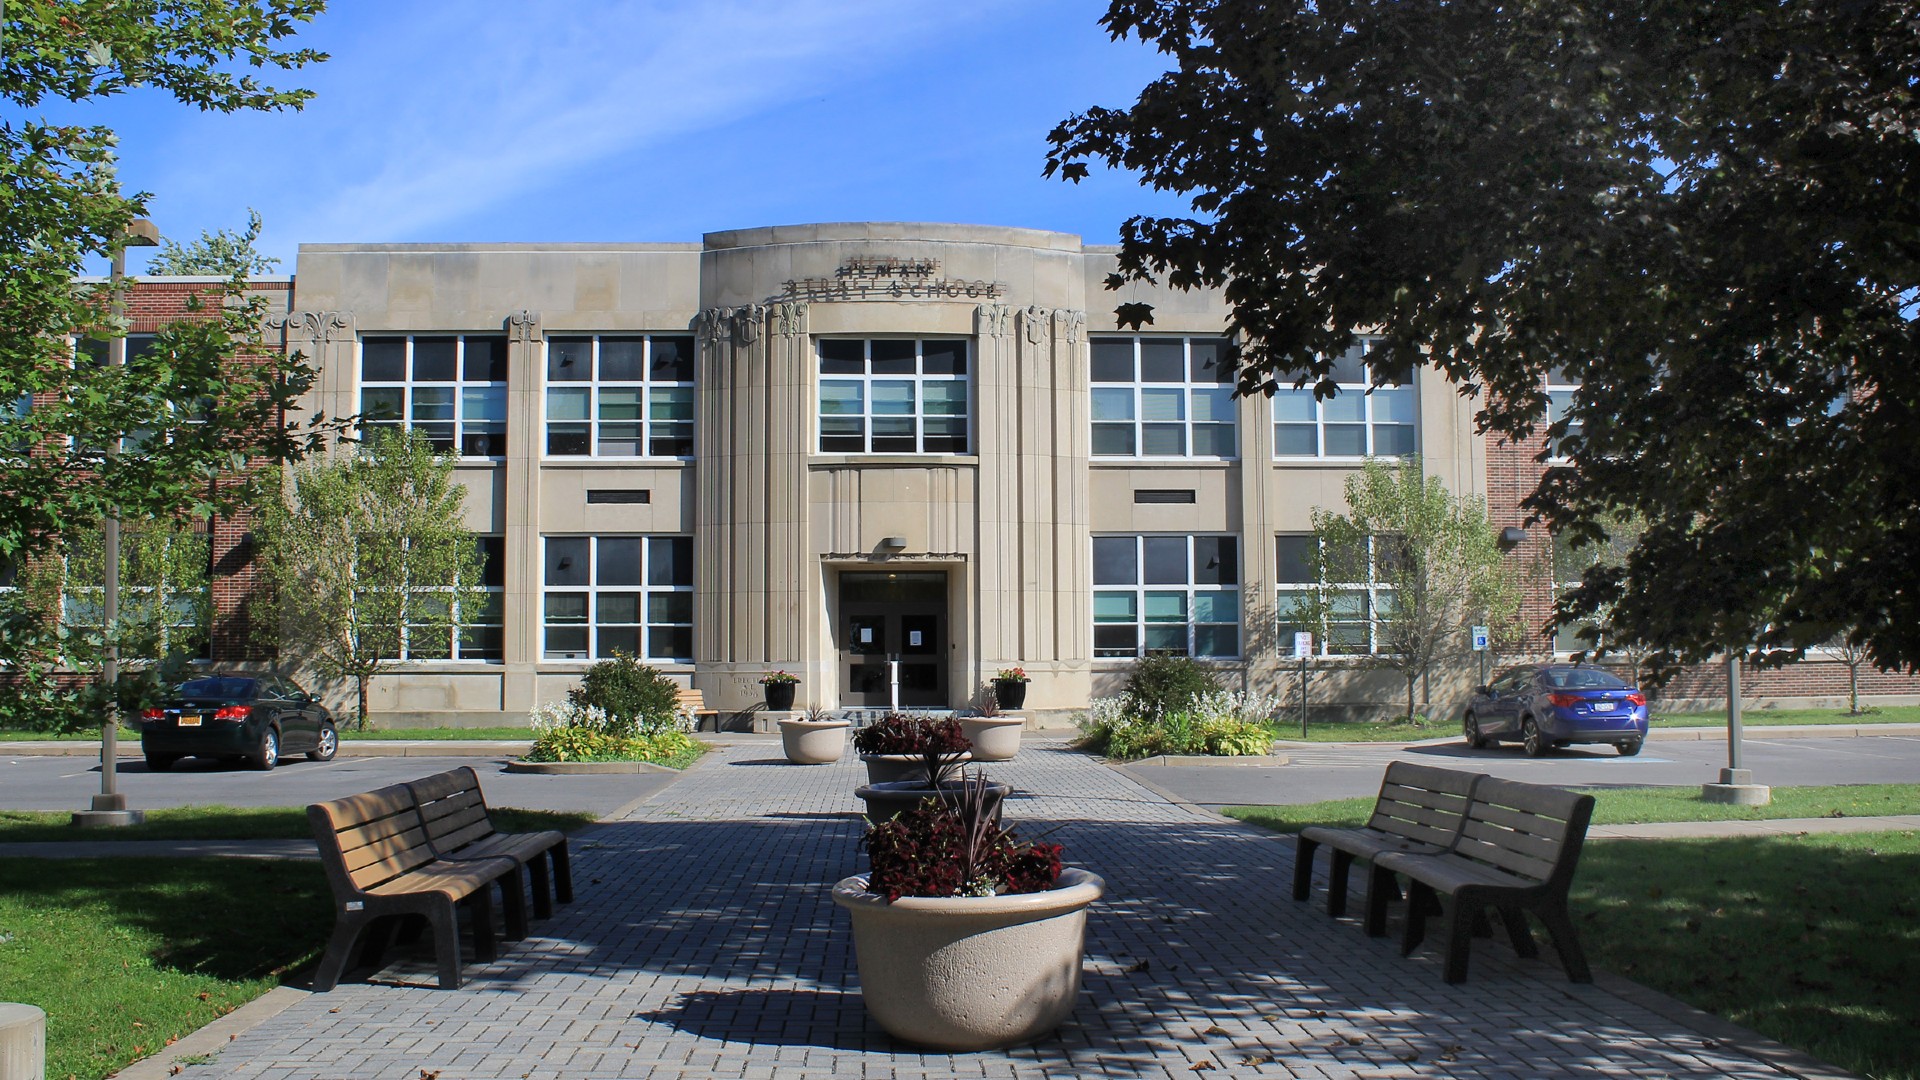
[656, 120]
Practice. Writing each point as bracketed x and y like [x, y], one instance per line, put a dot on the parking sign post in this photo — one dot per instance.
[1480, 641]
[1303, 648]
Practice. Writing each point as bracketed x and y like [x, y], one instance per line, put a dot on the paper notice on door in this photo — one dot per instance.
[913, 637]
[866, 635]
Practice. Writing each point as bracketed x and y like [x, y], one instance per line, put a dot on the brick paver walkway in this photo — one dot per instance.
[704, 943]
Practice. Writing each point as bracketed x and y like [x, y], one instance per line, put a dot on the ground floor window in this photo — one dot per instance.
[1174, 595]
[618, 594]
[478, 634]
[1347, 617]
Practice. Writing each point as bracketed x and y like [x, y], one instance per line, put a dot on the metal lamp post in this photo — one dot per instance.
[110, 806]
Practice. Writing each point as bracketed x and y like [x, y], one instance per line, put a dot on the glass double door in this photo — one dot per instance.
[888, 618]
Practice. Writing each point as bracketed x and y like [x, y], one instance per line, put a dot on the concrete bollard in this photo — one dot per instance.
[23, 1042]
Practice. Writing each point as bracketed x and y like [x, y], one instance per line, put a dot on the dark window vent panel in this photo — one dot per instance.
[621, 498]
[1157, 496]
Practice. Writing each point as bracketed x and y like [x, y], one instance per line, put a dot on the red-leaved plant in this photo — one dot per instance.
[936, 741]
[952, 847]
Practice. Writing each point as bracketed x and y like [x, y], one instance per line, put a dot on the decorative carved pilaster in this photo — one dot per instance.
[993, 320]
[713, 326]
[1069, 325]
[524, 326]
[790, 319]
[748, 321]
[316, 327]
[1038, 322]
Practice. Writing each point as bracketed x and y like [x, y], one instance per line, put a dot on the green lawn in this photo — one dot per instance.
[1633, 806]
[126, 954]
[236, 823]
[11, 735]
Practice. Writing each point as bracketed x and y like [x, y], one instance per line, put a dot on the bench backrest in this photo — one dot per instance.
[692, 701]
[1422, 802]
[368, 839]
[1529, 830]
[452, 809]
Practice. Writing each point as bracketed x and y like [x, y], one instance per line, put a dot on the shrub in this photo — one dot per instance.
[1161, 685]
[1222, 723]
[909, 733]
[636, 699]
[566, 731]
[955, 849]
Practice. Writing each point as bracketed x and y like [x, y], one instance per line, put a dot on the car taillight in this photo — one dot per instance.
[233, 712]
[152, 714]
[1636, 698]
[1564, 701]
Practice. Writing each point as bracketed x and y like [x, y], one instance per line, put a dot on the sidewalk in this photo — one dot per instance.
[704, 943]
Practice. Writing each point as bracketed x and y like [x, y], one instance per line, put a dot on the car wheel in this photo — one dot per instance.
[1475, 740]
[1629, 748]
[267, 754]
[161, 762]
[1536, 743]
[328, 745]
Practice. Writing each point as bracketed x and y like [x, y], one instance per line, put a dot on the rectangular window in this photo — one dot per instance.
[1177, 595]
[1357, 611]
[620, 396]
[1375, 413]
[166, 603]
[451, 388]
[1162, 397]
[1560, 393]
[618, 594]
[887, 396]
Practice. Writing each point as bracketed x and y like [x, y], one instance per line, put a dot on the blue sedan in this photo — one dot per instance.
[1549, 705]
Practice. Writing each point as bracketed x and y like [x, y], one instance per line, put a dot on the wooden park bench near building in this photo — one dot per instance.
[454, 814]
[1419, 809]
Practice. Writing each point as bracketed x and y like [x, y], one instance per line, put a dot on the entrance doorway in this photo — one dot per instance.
[894, 617]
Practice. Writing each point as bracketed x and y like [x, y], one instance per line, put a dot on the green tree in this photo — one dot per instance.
[208, 400]
[221, 253]
[366, 559]
[1428, 559]
[1705, 212]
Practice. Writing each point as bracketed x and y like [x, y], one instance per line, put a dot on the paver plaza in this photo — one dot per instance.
[704, 943]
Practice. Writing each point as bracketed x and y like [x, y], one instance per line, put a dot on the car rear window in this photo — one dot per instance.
[217, 688]
[1586, 679]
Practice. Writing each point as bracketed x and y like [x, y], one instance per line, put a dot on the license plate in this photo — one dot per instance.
[1603, 706]
[189, 719]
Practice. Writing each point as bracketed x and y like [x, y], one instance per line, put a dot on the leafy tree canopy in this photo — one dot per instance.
[189, 417]
[221, 253]
[1703, 211]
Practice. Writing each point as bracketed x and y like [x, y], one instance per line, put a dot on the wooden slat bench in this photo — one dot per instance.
[1419, 809]
[381, 865]
[1516, 852]
[455, 816]
[695, 703]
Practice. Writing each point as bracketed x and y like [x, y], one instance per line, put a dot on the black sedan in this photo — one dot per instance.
[254, 718]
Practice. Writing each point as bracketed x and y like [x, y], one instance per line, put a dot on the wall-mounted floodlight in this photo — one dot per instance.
[1512, 536]
[894, 543]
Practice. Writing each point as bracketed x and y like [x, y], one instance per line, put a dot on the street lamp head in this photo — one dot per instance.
[142, 233]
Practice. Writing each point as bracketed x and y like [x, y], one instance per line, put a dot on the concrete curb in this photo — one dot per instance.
[215, 1036]
[586, 768]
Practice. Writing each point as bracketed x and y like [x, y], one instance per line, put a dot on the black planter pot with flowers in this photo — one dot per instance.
[1010, 688]
[779, 687]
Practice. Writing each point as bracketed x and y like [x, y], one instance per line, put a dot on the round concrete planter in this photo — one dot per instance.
[994, 738]
[963, 973]
[886, 800]
[888, 768]
[814, 742]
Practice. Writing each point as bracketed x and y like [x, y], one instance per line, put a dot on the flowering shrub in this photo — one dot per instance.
[778, 677]
[1226, 723]
[635, 699]
[1012, 674]
[955, 849]
[568, 731]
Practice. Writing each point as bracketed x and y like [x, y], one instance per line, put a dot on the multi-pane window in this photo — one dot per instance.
[1374, 414]
[473, 635]
[165, 600]
[1561, 389]
[620, 396]
[451, 388]
[1177, 595]
[893, 396]
[1162, 397]
[618, 594]
[93, 352]
[1351, 615]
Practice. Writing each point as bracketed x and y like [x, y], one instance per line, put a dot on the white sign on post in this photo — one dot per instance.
[1480, 639]
[1302, 643]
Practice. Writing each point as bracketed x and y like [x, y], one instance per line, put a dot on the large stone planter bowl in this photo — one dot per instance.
[814, 742]
[884, 801]
[994, 738]
[888, 768]
[963, 973]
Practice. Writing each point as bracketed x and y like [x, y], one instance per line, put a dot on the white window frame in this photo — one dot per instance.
[919, 380]
[595, 387]
[460, 385]
[1298, 409]
[1126, 402]
[494, 616]
[1189, 593]
[1560, 396]
[84, 606]
[1373, 612]
[645, 589]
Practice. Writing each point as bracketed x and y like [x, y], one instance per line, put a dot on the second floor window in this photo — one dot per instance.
[1560, 393]
[1375, 414]
[620, 396]
[1162, 397]
[451, 388]
[888, 396]
[1170, 595]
